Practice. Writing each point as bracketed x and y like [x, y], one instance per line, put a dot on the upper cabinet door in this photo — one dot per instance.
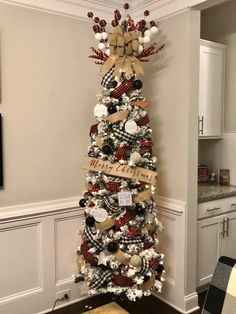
[211, 89]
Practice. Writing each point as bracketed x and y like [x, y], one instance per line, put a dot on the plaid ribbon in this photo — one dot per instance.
[91, 238]
[93, 129]
[123, 281]
[100, 279]
[107, 78]
[125, 219]
[131, 240]
[144, 267]
[120, 152]
[113, 187]
[143, 121]
[120, 90]
[154, 264]
[89, 258]
[109, 206]
[122, 135]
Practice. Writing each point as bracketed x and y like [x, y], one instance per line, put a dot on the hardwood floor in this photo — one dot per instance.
[147, 305]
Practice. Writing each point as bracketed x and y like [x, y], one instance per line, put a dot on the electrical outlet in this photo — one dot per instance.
[61, 295]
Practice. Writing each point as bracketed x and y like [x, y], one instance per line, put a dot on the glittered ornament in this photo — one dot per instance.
[146, 39]
[82, 202]
[112, 247]
[107, 150]
[135, 261]
[100, 110]
[104, 35]
[90, 221]
[101, 46]
[98, 36]
[137, 84]
[100, 214]
[136, 158]
[126, 6]
[154, 29]
[147, 32]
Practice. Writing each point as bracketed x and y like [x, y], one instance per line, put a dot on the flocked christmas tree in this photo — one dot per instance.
[119, 250]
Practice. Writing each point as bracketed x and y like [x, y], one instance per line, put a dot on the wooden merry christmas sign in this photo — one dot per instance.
[119, 170]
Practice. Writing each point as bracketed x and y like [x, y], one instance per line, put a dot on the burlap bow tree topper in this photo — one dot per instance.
[123, 49]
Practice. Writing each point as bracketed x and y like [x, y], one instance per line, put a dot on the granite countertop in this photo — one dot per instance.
[207, 193]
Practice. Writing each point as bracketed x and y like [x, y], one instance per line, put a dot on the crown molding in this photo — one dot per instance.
[78, 9]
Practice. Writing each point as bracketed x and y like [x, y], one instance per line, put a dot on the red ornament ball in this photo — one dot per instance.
[126, 6]
[114, 23]
[90, 15]
[102, 23]
[96, 28]
[146, 13]
[96, 19]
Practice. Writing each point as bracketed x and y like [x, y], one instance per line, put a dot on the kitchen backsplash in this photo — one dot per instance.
[218, 154]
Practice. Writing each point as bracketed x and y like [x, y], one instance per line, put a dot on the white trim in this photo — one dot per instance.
[171, 205]
[78, 8]
[36, 209]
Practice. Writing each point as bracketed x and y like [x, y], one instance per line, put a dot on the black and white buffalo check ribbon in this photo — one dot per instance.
[144, 267]
[131, 240]
[107, 78]
[100, 279]
[91, 238]
[122, 135]
[109, 206]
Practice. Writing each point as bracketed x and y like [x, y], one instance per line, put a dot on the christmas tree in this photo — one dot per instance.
[119, 250]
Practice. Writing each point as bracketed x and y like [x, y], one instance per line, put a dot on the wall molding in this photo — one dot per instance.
[78, 8]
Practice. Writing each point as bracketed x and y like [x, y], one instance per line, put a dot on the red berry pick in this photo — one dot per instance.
[90, 15]
[146, 13]
[114, 23]
[126, 6]
[96, 19]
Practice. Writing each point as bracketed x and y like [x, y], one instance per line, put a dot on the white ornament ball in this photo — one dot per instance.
[147, 33]
[108, 52]
[104, 35]
[135, 157]
[100, 110]
[140, 39]
[140, 48]
[154, 30]
[135, 261]
[98, 36]
[131, 127]
[100, 214]
[101, 46]
[146, 39]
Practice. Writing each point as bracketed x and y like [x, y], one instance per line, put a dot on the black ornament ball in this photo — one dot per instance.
[140, 210]
[137, 84]
[111, 109]
[160, 268]
[146, 278]
[90, 221]
[107, 149]
[127, 154]
[82, 202]
[113, 84]
[112, 247]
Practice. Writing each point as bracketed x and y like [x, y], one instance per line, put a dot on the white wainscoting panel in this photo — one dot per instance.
[38, 245]
[67, 240]
[22, 257]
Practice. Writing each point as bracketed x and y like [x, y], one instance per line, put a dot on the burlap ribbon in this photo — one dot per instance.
[123, 49]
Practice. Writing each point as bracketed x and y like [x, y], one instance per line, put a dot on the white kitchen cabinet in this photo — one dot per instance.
[216, 236]
[209, 248]
[211, 89]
